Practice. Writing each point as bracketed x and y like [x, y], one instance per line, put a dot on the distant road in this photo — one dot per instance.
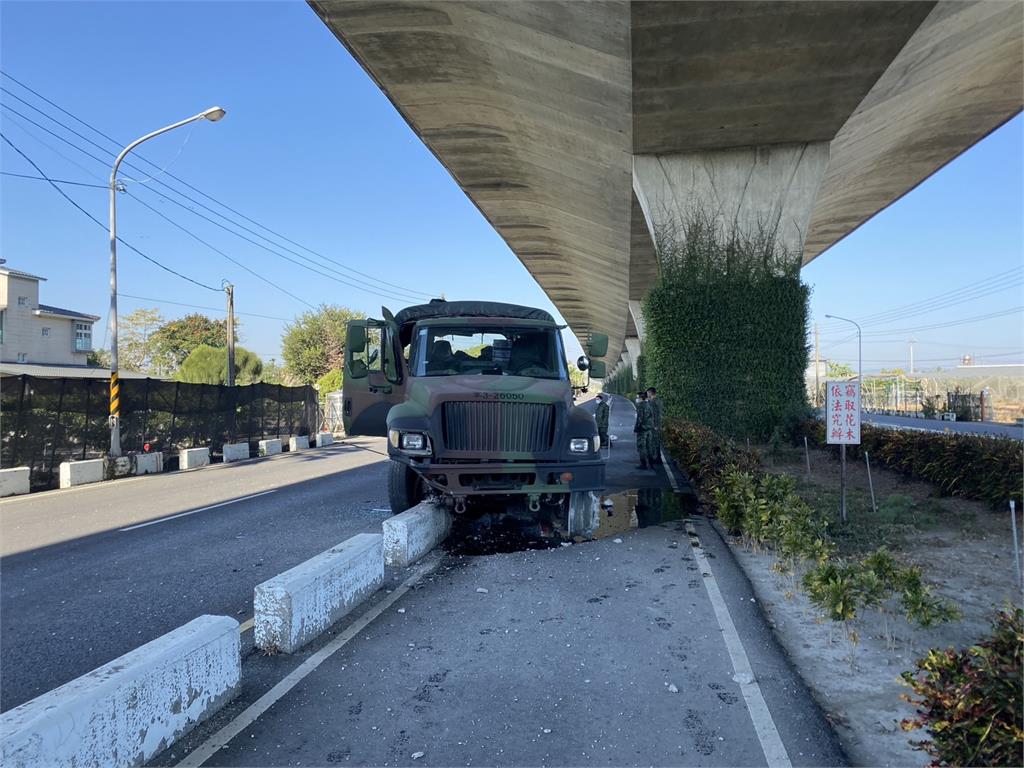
[935, 425]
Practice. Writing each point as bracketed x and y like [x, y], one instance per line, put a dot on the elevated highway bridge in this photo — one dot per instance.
[583, 129]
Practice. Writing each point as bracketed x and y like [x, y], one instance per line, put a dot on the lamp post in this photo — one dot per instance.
[842, 448]
[213, 114]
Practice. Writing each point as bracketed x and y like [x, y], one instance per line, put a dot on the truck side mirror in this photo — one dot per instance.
[598, 370]
[598, 345]
[355, 339]
[582, 363]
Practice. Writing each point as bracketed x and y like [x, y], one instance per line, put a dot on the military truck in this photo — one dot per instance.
[476, 402]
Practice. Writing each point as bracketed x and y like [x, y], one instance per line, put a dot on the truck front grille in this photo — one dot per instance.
[498, 427]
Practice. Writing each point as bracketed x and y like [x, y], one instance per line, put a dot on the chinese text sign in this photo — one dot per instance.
[842, 415]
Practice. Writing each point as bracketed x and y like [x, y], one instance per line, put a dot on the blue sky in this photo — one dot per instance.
[312, 149]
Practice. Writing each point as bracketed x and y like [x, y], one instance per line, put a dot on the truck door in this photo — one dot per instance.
[374, 376]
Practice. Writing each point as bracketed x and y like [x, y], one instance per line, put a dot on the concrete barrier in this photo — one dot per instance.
[269, 447]
[298, 443]
[149, 463]
[127, 711]
[74, 473]
[324, 438]
[297, 605]
[14, 481]
[413, 533]
[190, 458]
[236, 452]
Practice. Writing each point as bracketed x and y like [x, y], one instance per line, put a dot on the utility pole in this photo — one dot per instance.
[229, 289]
[912, 342]
[817, 365]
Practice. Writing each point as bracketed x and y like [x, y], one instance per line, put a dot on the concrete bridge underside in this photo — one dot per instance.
[579, 129]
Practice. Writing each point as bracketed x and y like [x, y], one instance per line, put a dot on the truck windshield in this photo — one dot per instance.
[488, 350]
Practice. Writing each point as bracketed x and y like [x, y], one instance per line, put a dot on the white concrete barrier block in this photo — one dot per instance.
[297, 605]
[14, 481]
[190, 458]
[74, 473]
[413, 533]
[324, 438]
[269, 447]
[298, 443]
[129, 710]
[236, 452]
[149, 463]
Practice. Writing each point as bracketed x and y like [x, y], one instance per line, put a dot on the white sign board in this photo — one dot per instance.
[842, 412]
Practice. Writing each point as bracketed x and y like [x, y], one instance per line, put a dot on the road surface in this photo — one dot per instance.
[956, 427]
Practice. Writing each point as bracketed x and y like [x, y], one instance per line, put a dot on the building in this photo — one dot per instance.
[36, 334]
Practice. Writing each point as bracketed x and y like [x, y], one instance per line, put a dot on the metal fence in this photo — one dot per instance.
[46, 421]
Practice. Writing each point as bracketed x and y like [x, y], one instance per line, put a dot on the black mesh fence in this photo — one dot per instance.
[46, 421]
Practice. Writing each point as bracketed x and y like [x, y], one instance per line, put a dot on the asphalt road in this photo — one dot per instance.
[958, 427]
[609, 652]
[77, 591]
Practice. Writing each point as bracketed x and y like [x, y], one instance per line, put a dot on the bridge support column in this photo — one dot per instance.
[743, 191]
[633, 350]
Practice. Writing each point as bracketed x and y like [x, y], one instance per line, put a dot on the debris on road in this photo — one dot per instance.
[418, 755]
[481, 590]
[672, 688]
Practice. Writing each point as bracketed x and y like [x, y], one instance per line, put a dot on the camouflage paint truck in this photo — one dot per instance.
[476, 402]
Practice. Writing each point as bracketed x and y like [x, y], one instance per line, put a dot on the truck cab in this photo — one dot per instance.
[476, 403]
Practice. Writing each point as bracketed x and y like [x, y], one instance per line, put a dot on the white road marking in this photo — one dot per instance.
[245, 626]
[771, 743]
[220, 739]
[195, 511]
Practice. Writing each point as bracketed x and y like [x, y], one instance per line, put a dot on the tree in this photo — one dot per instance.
[209, 365]
[134, 340]
[98, 358]
[314, 343]
[173, 341]
[839, 370]
[330, 382]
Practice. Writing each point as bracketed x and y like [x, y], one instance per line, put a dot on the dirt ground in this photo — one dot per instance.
[966, 552]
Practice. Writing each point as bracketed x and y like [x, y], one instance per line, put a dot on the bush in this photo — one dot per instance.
[704, 454]
[970, 466]
[329, 382]
[970, 701]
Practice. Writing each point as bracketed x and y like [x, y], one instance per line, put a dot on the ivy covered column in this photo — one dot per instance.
[725, 323]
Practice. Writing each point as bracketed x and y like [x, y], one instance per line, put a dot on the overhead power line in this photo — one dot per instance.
[55, 181]
[121, 240]
[335, 277]
[376, 280]
[197, 306]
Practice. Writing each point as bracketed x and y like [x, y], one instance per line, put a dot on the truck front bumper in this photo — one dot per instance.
[514, 477]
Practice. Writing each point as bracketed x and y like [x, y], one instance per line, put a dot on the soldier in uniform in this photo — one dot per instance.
[652, 398]
[601, 416]
[643, 429]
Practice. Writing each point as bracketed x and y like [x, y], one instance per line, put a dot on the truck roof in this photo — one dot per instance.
[439, 308]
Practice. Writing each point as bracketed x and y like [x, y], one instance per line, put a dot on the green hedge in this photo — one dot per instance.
[989, 469]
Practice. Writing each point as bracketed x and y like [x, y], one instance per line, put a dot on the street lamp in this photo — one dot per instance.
[860, 359]
[213, 114]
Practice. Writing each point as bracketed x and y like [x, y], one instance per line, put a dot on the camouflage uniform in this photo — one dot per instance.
[656, 432]
[601, 415]
[643, 429]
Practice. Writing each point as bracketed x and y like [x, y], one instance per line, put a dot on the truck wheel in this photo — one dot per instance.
[404, 487]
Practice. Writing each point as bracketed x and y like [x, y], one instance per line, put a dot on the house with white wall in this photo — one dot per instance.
[38, 334]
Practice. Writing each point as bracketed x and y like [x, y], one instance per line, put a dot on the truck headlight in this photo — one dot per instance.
[579, 445]
[413, 441]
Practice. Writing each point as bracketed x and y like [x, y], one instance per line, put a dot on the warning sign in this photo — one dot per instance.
[842, 415]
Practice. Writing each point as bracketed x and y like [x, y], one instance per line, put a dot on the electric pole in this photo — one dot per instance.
[817, 365]
[229, 289]
[911, 342]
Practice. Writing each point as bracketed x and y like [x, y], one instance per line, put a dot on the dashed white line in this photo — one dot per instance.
[771, 742]
[220, 739]
[196, 511]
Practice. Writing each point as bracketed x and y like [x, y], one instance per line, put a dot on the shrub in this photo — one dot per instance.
[704, 454]
[970, 701]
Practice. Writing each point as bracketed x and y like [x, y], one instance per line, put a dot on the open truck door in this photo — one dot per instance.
[375, 375]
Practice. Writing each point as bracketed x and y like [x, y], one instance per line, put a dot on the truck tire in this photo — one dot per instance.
[404, 487]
